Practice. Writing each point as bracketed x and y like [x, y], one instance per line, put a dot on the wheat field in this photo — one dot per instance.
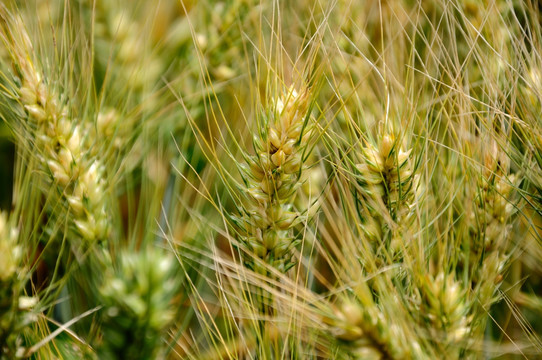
[249, 179]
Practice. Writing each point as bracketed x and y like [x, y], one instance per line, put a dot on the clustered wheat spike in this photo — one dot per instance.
[272, 177]
[63, 148]
[136, 293]
[492, 216]
[117, 31]
[386, 177]
[366, 331]
[442, 304]
[15, 307]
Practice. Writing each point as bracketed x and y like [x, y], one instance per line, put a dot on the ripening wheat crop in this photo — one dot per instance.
[248, 179]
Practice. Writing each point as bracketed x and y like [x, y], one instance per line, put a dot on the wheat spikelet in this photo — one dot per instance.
[273, 176]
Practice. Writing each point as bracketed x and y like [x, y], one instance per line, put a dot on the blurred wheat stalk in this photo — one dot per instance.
[297, 180]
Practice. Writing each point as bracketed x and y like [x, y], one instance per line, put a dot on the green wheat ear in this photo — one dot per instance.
[272, 177]
[136, 296]
[15, 307]
[385, 172]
